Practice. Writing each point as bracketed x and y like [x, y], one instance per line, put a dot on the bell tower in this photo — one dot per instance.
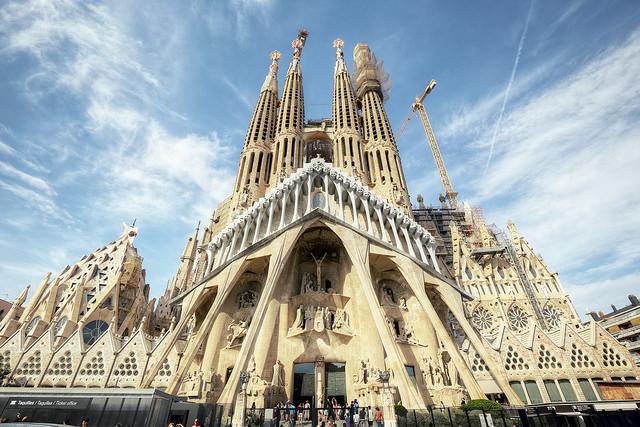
[385, 167]
[287, 153]
[347, 137]
[256, 160]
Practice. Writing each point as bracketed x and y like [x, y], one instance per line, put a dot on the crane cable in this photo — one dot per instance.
[404, 125]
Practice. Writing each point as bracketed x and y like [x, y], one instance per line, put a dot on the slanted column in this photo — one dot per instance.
[296, 193]
[341, 211]
[272, 202]
[210, 250]
[245, 233]
[365, 203]
[432, 254]
[258, 223]
[392, 223]
[326, 192]
[309, 181]
[383, 231]
[405, 233]
[419, 244]
[353, 208]
[283, 207]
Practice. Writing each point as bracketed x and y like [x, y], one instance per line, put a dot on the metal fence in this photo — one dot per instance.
[440, 417]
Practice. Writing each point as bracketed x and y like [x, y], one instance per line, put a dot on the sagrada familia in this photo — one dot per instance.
[318, 279]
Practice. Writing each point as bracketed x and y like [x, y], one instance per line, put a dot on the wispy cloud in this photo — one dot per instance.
[242, 97]
[507, 92]
[565, 167]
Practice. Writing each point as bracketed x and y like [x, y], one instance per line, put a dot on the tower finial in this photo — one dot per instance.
[298, 43]
[338, 44]
[275, 57]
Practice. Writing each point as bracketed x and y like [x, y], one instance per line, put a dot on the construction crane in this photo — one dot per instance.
[418, 106]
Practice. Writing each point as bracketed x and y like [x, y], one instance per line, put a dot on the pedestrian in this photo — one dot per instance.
[84, 422]
[377, 417]
[196, 423]
[307, 410]
[370, 416]
[356, 419]
[347, 418]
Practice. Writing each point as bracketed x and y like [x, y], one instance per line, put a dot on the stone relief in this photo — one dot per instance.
[367, 373]
[237, 330]
[278, 374]
[320, 319]
[247, 299]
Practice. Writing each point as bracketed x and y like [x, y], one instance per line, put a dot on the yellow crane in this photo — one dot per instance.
[418, 106]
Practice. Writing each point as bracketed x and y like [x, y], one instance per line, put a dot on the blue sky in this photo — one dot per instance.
[122, 110]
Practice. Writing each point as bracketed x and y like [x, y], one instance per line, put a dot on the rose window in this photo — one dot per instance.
[518, 319]
[552, 316]
[93, 331]
[482, 318]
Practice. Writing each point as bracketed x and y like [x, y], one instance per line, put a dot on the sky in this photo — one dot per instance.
[116, 111]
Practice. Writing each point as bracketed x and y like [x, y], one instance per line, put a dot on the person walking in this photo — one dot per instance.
[377, 418]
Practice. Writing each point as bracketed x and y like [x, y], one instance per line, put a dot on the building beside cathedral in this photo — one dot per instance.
[314, 279]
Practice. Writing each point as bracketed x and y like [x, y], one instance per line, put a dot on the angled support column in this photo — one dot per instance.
[453, 301]
[414, 276]
[282, 247]
[358, 250]
[231, 274]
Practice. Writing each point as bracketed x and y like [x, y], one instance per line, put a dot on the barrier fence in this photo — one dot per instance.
[439, 417]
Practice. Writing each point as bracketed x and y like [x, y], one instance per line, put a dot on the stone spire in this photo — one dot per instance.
[347, 138]
[186, 261]
[383, 159]
[287, 153]
[256, 158]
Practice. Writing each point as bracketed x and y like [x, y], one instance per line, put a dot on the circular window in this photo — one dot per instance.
[518, 318]
[482, 319]
[552, 316]
[94, 330]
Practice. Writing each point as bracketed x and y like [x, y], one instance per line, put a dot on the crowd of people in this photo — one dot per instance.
[334, 414]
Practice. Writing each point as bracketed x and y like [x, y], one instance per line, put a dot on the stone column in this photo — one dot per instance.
[319, 383]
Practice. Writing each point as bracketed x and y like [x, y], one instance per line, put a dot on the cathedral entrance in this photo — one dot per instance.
[335, 383]
[303, 381]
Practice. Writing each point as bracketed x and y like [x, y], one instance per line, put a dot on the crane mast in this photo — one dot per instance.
[418, 106]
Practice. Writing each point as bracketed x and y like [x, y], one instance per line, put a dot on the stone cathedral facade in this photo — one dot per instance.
[314, 276]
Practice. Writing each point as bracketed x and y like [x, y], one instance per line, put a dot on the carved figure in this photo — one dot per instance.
[403, 303]
[298, 323]
[318, 320]
[308, 283]
[328, 319]
[278, 375]
[237, 330]
[309, 314]
[341, 322]
[247, 299]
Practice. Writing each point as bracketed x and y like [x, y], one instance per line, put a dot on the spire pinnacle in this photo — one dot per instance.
[340, 65]
[297, 44]
[271, 81]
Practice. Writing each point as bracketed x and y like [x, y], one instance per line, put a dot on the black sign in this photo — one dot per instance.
[50, 402]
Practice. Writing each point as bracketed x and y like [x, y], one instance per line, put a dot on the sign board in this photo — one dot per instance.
[50, 402]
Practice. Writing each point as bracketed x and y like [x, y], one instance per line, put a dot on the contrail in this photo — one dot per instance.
[508, 91]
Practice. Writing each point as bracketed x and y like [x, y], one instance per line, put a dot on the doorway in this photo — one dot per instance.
[303, 381]
[335, 383]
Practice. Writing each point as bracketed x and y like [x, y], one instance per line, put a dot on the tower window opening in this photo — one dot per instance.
[258, 168]
[250, 168]
[379, 161]
[386, 155]
[285, 149]
[267, 169]
[293, 151]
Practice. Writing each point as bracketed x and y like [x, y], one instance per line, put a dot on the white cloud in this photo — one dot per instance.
[589, 296]
[234, 18]
[32, 181]
[7, 149]
[36, 200]
[566, 168]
